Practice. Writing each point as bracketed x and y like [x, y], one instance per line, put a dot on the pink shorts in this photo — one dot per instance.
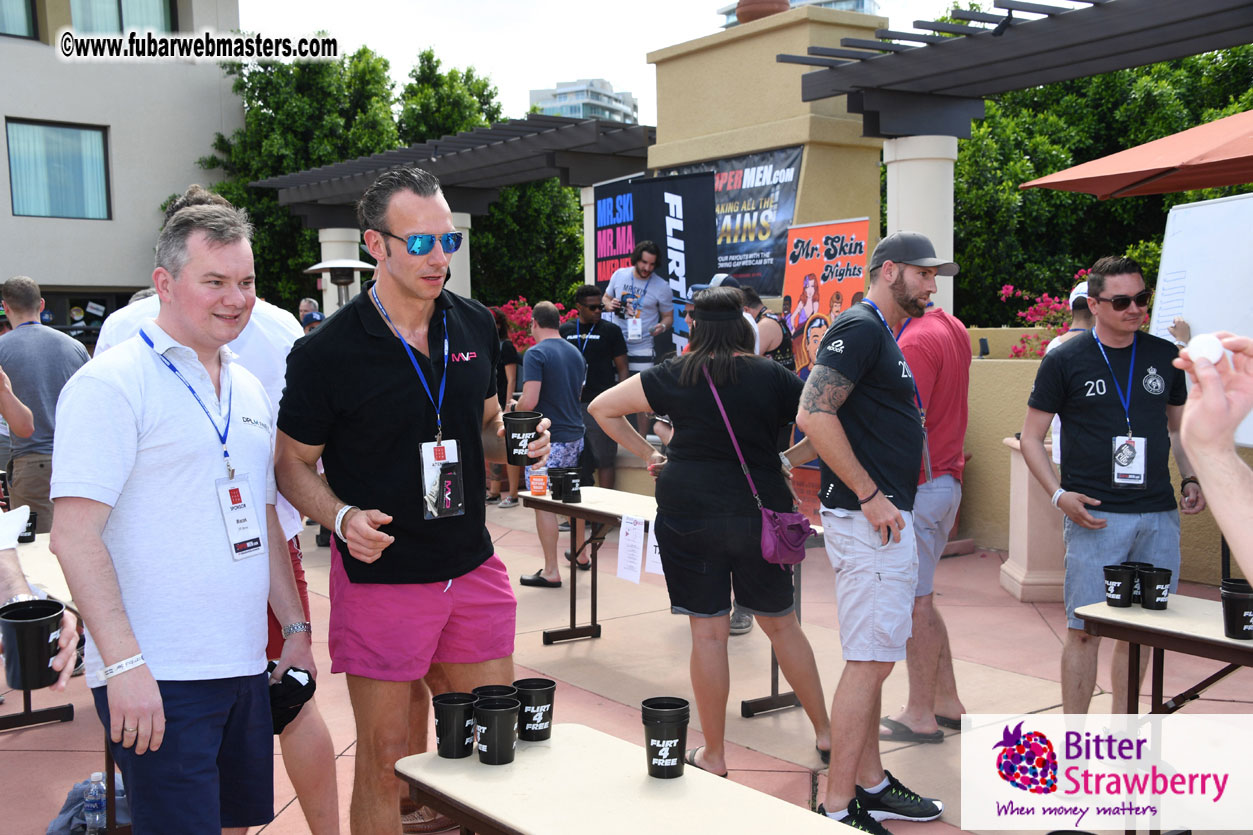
[274, 641]
[394, 632]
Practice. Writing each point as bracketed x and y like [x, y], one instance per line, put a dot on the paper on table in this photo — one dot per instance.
[630, 548]
[652, 553]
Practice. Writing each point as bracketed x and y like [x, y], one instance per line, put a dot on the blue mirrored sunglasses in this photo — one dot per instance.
[422, 244]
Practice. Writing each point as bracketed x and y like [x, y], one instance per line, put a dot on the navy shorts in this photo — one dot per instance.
[703, 558]
[215, 767]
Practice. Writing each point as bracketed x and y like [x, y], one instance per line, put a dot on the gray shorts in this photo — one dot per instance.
[604, 449]
[874, 585]
[935, 510]
[1142, 537]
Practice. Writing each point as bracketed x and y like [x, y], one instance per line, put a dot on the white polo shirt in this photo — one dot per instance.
[262, 348]
[131, 435]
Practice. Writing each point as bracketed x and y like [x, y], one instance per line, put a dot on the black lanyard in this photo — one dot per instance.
[221, 433]
[439, 407]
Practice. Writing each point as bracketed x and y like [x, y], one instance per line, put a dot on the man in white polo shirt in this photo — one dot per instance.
[170, 544]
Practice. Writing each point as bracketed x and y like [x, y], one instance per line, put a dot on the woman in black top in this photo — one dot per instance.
[708, 527]
[506, 382]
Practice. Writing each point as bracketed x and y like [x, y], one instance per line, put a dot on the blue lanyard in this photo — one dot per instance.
[583, 345]
[896, 337]
[439, 407]
[24, 324]
[226, 456]
[1123, 397]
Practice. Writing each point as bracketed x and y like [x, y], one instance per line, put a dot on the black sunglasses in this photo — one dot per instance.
[593, 306]
[1121, 303]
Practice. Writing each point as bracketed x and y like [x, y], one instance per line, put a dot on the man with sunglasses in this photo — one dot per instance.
[638, 297]
[1121, 400]
[396, 393]
[605, 350]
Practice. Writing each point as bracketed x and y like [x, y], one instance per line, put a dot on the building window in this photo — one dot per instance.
[107, 16]
[17, 17]
[58, 170]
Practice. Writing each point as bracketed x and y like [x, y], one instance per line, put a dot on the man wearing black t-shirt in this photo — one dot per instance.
[1121, 401]
[605, 351]
[396, 393]
[859, 409]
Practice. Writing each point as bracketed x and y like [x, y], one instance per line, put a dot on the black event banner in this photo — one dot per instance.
[755, 201]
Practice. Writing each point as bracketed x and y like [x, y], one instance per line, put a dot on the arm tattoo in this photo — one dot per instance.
[825, 390]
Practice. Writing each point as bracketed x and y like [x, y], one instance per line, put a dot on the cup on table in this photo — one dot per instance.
[1154, 586]
[1119, 584]
[30, 630]
[496, 730]
[535, 720]
[520, 429]
[572, 489]
[665, 734]
[454, 724]
[1237, 597]
[557, 477]
[1135, 591]
[495, 691]
[27, 536]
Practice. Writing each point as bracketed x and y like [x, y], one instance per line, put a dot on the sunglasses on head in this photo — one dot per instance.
[1123, 302]
[422, 244]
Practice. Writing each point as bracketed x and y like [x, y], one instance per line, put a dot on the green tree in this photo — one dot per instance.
[1036, 239]
[435, 104]
[298, 116]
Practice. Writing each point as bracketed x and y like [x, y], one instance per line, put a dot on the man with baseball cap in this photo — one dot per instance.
[859, 408]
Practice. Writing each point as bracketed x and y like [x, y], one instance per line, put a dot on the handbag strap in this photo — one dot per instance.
[731, 432]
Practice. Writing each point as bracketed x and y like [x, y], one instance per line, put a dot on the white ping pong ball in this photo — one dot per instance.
[1206, 345]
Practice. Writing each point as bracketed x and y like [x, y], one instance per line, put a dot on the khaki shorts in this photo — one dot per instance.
[29, 484]
[874, 585]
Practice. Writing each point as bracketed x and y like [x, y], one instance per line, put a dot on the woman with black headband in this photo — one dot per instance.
[708, 525]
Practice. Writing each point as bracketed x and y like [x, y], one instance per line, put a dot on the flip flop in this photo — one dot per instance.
[582, 566]
[948, 722]
[537, 579]
[690, 759]
[825, 756]
[900, 732]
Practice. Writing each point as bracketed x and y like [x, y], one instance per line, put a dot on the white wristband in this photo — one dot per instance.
[1057, 496]
[122, 666]
[339, 520]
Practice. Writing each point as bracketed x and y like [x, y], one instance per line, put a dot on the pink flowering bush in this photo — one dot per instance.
[1044, 311]
[518, 314]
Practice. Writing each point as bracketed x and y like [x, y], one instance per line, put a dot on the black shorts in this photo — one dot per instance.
[603, 449]
[703, 558]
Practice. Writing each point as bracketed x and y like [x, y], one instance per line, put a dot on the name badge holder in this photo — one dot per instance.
[239, 514]
[1129, 453]
[439, 461]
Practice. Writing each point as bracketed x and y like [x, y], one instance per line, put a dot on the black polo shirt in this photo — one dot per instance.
[601, 344]
[352, 389]
[880, 416]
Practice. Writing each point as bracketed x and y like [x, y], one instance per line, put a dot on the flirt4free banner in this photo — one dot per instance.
[1106, 771]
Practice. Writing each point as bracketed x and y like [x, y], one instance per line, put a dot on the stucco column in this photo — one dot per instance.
[339, 242]
[920, 195]
[587, 199]
[459, 262]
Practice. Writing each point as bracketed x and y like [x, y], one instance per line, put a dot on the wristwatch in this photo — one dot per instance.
[292, 628]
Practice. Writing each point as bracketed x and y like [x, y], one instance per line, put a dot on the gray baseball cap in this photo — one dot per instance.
[910, 248]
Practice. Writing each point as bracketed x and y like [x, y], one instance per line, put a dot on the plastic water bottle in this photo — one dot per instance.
[94, 797]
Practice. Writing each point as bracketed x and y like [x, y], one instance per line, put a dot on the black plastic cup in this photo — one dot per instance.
[1119, 584]
[1154, 587]
[454, 724]
[665, 734]
[1236, 585]
[30, 630]
[572, 493]
[495, 691]
[1135, 591]
[535, 718]
[1237, 610]
[496, 730]
[558, 478]
[27, 535]
[520, 429]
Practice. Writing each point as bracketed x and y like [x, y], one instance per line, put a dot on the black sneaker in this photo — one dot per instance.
[858, 818]
[899, 803]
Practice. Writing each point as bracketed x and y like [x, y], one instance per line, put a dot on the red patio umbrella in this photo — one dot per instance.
[1219, 153]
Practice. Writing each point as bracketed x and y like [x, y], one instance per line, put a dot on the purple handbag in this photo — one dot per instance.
[783, 535]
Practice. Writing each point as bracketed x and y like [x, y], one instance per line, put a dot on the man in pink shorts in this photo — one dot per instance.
[396, 393]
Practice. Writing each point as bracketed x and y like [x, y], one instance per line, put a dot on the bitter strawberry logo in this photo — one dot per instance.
[236, 498]
[1027, 761]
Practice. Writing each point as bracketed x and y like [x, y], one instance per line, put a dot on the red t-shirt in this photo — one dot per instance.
[937, 348]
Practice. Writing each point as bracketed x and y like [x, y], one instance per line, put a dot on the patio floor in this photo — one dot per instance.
[1006, 656]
